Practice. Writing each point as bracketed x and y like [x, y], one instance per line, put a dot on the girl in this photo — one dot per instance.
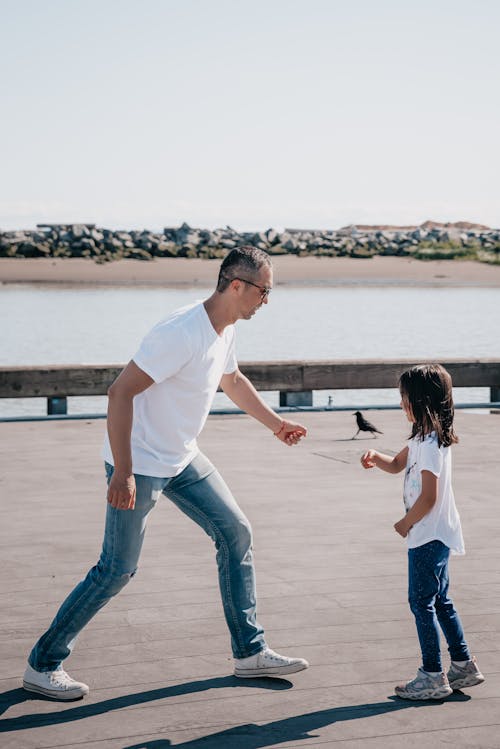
[432, 526]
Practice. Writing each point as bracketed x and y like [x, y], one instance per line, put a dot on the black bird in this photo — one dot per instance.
[364, 425]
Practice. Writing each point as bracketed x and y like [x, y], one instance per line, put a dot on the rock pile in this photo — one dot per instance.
[430, 240]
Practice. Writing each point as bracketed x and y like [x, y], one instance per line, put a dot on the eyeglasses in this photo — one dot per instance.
[264, 290]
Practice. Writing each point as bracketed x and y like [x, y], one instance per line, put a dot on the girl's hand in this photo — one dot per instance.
[401, 527]
[368, 459]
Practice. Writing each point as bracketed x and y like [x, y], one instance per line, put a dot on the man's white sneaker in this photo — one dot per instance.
[267, 663]
[57, 684]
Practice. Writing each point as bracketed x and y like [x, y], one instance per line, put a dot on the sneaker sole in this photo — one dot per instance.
[427, 694]
[56, 694]
[470, 681]
[252, 673]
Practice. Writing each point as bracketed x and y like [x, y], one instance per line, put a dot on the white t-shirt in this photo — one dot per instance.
[442, 523]
[186, 358]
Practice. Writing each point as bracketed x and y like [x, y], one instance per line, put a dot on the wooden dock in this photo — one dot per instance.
[331, 582]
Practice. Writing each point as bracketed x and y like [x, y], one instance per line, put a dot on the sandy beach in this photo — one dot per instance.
[288, 269]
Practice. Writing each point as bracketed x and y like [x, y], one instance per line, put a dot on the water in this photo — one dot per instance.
[44, 324]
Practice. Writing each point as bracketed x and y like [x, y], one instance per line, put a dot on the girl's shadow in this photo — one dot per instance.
[297, 728]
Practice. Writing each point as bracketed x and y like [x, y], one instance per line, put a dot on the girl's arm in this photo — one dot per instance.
[423, 505]
[387, 463]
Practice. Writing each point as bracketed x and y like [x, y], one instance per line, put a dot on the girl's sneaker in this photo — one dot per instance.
[464, 676]
[425, 687]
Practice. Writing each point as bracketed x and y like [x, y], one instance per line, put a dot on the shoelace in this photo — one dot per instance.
[60, 679]
[274, 656]
[421, 682]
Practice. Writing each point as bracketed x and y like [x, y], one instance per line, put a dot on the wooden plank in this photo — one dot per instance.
[28, 382]
[354, 375]
[285, 376]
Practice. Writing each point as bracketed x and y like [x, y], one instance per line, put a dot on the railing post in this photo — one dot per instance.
[303, 398]
[57, 406]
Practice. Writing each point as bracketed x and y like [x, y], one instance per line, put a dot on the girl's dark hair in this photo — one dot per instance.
[245, 258]
[428, 391]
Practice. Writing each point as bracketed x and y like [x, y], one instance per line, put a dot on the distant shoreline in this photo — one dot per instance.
[288, 270]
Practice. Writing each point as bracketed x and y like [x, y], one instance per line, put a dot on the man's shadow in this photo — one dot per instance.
[89, 709]
[249, 736]
[297, 728]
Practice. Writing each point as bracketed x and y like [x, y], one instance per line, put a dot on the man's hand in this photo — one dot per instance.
[368, 459]
[291, 433]
[121, 491]
[401, 527]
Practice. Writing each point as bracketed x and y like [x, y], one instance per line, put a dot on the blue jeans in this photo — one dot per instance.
[428, 582]
[200, 492]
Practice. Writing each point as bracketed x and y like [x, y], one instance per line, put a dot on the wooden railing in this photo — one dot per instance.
[295, 380]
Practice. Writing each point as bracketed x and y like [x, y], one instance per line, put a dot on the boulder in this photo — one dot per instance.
[166, 249]
[79, 230]
[272, 236]
[290, 244]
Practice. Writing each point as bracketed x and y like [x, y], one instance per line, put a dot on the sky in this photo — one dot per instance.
[309, 114]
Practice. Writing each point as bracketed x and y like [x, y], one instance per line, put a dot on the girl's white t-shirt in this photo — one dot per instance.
[442, 523]
[186, 358]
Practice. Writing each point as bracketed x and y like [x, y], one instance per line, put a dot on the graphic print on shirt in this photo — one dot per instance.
[411, 486]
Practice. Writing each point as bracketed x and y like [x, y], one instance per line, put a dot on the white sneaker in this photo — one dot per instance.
[57, 684]
[267, 663]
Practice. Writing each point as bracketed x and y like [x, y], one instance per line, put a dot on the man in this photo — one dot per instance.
[157, 407]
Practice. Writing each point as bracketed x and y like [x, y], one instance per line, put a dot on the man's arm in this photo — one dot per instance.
[387, 463]
[423, 505]
[243, 394]
[130, 382]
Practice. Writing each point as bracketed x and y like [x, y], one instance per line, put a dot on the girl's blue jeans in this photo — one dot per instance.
[428, 582]
[200, 492]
